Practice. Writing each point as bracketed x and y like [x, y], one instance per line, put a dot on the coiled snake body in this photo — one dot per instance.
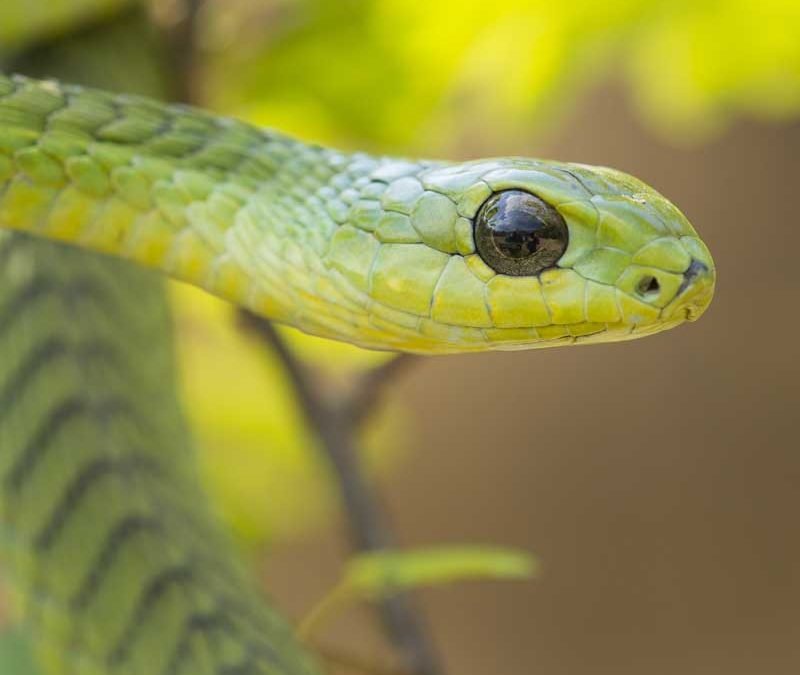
[105, 528]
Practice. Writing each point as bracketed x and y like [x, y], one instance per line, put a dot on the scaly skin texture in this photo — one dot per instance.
[105, 529]
[104, 525]
[123, 566]
[375, 251]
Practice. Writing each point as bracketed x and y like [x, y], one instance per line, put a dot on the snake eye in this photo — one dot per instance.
[518, 234]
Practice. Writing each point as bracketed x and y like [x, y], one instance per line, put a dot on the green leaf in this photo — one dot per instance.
[16, 653]
[382, 573]
[372, 576]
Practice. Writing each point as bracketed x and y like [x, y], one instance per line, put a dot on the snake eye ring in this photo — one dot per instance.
[518, 234]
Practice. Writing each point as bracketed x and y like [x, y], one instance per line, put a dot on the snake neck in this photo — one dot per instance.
[246, 213]
[159, 185]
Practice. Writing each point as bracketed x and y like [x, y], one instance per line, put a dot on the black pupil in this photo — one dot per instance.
[518, 233]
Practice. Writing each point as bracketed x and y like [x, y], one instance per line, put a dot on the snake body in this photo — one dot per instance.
[106, 530]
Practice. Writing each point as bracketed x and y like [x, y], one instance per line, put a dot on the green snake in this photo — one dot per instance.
[121, 564]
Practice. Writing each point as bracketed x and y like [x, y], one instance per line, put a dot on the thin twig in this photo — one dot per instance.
[183, 50]
[369, 531]
[367, 393]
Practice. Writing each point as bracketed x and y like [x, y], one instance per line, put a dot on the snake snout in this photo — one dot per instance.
[695, 291]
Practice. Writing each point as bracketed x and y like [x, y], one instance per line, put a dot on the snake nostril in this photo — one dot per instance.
[648, 286]
[695, 269]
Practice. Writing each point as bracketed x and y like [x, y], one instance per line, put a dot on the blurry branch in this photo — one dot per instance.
[367, 393]
[336, 426]
[180, 18]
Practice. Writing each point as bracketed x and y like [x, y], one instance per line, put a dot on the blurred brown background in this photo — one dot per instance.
[658, 480]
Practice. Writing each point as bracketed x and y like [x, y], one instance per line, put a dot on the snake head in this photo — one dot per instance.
[517, 253]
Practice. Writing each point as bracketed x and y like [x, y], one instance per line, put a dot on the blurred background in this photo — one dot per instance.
[657, 481]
